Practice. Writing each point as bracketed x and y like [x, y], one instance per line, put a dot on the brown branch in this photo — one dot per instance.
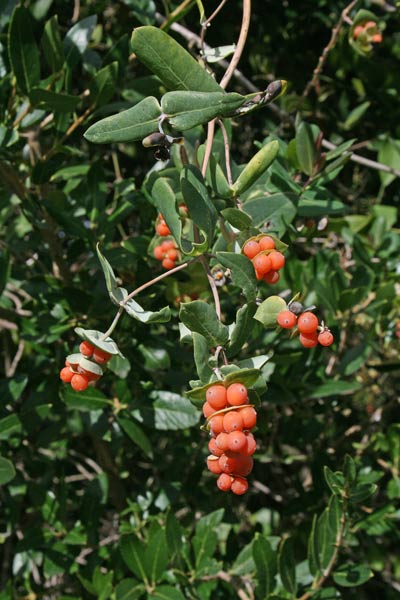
[367, 162]
[244, 30]
[322, 59]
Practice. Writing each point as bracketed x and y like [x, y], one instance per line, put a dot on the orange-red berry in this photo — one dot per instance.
[249, 417]
[100, 356]
[277, 260]
[358, 29]
[172, 254]
[208, 410]
[168, 264]
[217, 424]
[307, 322]
[239, 486]
[251, 249]
[216, 396]
[86, 349]
[162, 229]
[236, 394]
[158, 253]
[376, 38]
[266, 243]
[286, 319]
[213, 448]
[224, 482]
[79, 382]
[325, 338]
[262, 263]
[308, 340]
[251, 445]
[227, 463]
[271, 277]
[222, 441]
[232, 421]
[66, 375]
[236, 441]
[213, 464]
[244, 465]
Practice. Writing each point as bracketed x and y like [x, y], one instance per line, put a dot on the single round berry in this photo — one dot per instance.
[249, 417]
[277, 260]
[266, 243]
[100, 356]
[236, 394]
[286, 319]
[89, 374]
[172, 254]
[271, 277]
[236, 441]
[66, 375]
[208, 410]
[307, 322]
[251, 249]
[221, 441]
[213, 448]
[86, 349]
[216, 396]
[358, 29]
[232, 421]
[158, 253]
[325, 338]
[239, 486]
[228, 463]
[224, 482]
[216, 424]
[163, 229]
[262, 263]
[213, 464]
[168, 264]
[308, 340]
[376, 38]
[167, 245]
[79, 382]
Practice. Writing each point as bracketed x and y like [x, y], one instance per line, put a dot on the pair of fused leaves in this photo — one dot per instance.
[118, 296]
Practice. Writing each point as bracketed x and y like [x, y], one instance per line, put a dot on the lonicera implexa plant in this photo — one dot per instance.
[199, 300]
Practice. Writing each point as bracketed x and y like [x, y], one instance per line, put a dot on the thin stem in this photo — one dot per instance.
[207, 22]
[227, 152]
[322, 59]
[240, 44]
[137, 291]
[175, 14]
[367, 162]
[208, 148]
[213, 286]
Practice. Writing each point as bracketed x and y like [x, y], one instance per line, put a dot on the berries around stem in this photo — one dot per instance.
[325, 338]
[79, 382]
[308, 340]
[307, 322]
[66, 375]
[236, 394]
[267, 261]
[167, 253]
[216, 396]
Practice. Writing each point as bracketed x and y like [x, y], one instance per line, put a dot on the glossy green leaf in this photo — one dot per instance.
[133, 552]
[257, 165]
[136, 434]
[52, 44]
[356, 114]
[237, 218]
[339, 150]
[389, 154]
[168, 412]
[128, 589]
[188, 109]
[116, 293]
[326, 538]
[335, 481]
[240, 332]
[156, 554]
[215, 176]
[90, 399]
[77, 39]
[275, 210]
[197, 200]
[53, 101]
[241, 272]
[102, 86]
[306, 135]
[201, 354]
[349, 469]
[205, 539]
[352, 575]
[313, 548]
[333, 388]
[174, 534]
[202, 318]
[127, 126]
[269, 309]
[7, 471]
[362, 492]
[176, 68]
[317, 203]
[286, 566]
[266, 565]
[166, 592]
[9, 426]
[23, 52]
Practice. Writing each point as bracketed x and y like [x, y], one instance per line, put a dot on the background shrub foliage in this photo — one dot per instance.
[105, 493]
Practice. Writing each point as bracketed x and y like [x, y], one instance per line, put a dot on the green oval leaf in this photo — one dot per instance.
[7, 471]
[242, 272]
[202, 318]
[352, 575]
[269, 309]
[23, 52]
[258, 164]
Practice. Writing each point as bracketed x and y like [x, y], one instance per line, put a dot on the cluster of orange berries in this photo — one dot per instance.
[267, 261]
[79, 370]
[168, 253]
[230, 419]
[375, 37]
[311, 332]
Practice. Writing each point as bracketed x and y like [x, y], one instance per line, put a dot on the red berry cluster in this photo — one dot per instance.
[168, 253]
[230, 419]
[371, 31]
[311, 332]
[78, 367]
[161, 226]
[267, 261]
